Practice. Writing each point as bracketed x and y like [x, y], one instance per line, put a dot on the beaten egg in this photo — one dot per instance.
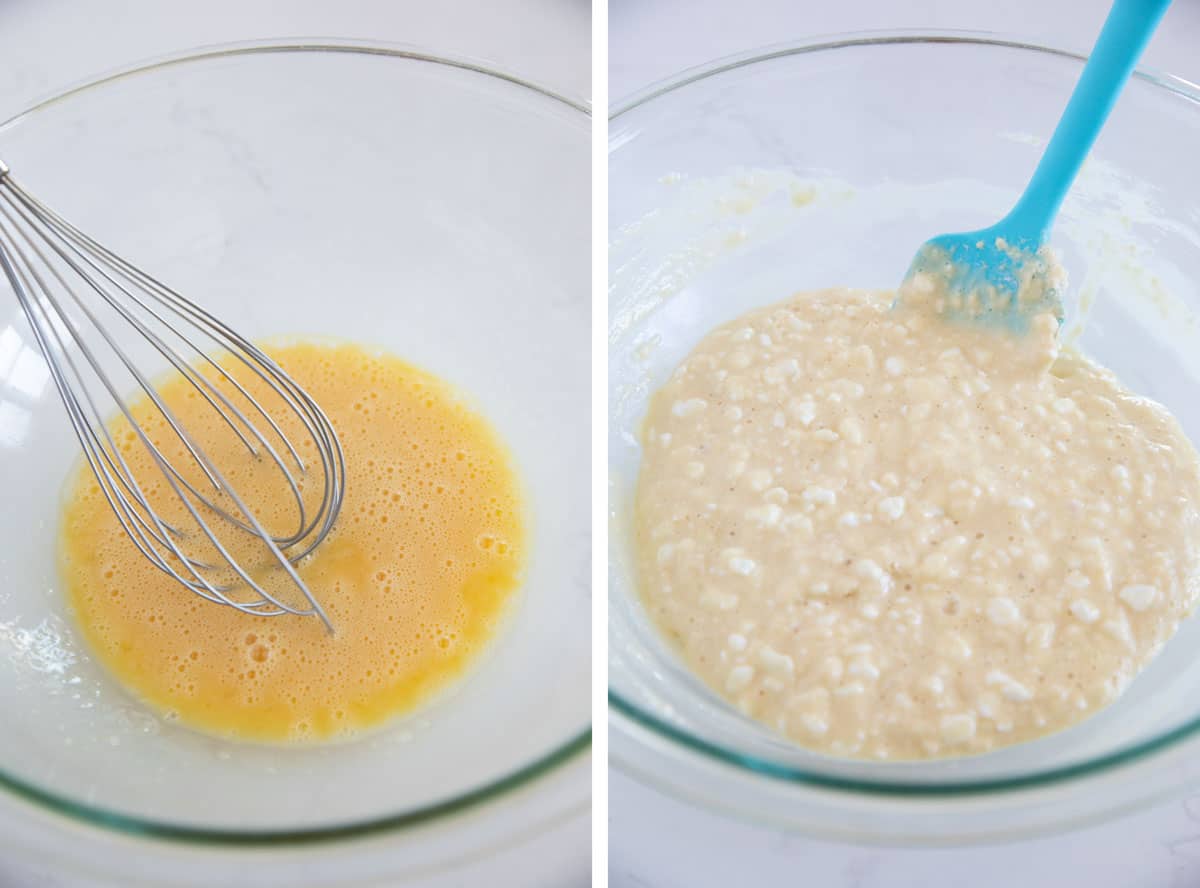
[416, 576]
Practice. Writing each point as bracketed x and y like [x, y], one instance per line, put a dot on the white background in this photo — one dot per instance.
[48, 44]
[656, 841]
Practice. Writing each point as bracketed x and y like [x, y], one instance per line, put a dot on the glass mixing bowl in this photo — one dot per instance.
[821, 164]
[424, 205]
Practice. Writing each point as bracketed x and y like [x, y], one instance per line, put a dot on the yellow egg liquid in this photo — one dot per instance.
[416, 575]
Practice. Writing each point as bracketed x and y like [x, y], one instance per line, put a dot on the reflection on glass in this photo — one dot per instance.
[10, 347]
[29, 373]
[14, 424]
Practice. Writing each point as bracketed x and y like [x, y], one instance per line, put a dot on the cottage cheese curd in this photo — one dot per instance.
[890, 536]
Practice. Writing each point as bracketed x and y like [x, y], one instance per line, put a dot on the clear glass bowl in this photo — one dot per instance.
[425, 205]
[821, 164]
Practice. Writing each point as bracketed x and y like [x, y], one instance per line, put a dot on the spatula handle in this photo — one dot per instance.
[1126, 32]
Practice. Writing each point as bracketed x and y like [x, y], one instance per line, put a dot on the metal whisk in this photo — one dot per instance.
[73, 290]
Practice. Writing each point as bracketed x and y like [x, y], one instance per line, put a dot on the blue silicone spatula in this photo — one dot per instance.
[999, 258]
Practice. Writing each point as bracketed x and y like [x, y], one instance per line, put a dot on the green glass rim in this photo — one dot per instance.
[799, 776]
[541, 765]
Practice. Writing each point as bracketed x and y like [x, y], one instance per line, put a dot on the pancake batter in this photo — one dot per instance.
[890, 536]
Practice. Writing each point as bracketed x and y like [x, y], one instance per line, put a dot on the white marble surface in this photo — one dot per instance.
[658, 841]
[48, 44]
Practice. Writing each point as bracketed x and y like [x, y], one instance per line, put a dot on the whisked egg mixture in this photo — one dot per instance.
[416, 575]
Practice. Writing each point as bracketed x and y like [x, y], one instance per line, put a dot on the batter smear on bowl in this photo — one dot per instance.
[891, 536]
[416, 575]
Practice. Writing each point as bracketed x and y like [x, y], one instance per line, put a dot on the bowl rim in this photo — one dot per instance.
[891, 36]
[536, 768]
[801, 777]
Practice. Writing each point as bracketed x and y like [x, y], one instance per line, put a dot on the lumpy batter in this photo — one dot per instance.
[890, 536]
[416, 575]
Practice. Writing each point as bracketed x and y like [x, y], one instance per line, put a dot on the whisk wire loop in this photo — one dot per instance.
[63, 279]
